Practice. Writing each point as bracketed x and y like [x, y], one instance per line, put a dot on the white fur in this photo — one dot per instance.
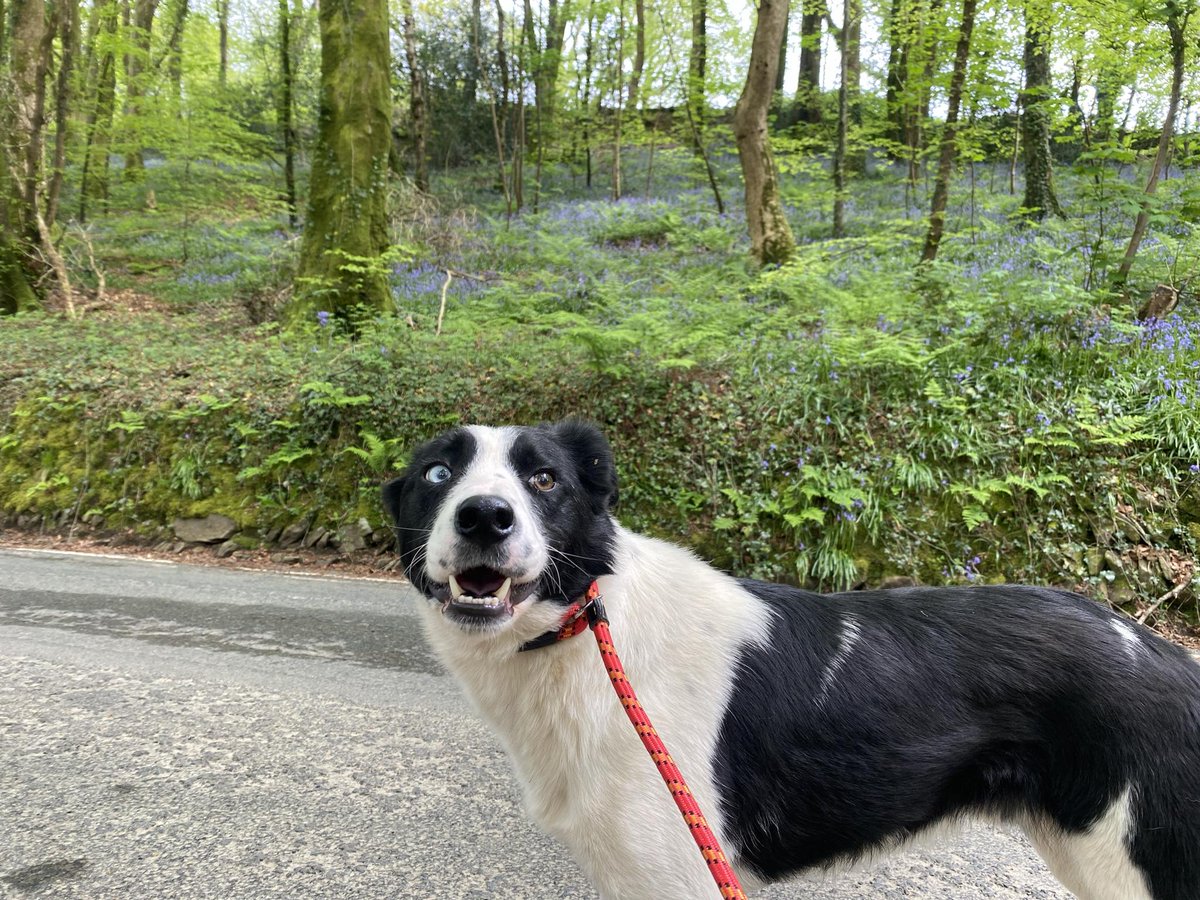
[554, 708]
[1129, 637]
[1094, 865]
[850, 633]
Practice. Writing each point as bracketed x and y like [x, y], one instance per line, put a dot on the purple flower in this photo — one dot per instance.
[322, 318]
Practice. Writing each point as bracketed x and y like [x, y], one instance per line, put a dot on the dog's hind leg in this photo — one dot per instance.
[1094, 864]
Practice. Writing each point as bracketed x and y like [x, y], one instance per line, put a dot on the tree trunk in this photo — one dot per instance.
[20, 151]
[287, 122]
[808, 86]
[771, 238]
[777, 107]
[843, 126]
[698, 63]
[857, 161]
[94, 177]
[1040, 199]
[619, 97]
[1177, 20]
[136, 65]
[416, 99]
[899, 33]
[639, 52]
[69, 28]
[471, 87]
[222, 43]
[175, 53]
[346, 226]
[941, 188]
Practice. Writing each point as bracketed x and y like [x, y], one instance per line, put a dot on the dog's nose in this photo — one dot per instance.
[484, 519]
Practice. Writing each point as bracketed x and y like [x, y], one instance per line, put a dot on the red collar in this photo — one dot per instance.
[575, 621]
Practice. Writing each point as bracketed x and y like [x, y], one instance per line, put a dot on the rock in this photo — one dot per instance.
[352, 537]
[272, 534]
[212, 529]
[226, 550]
[1094, 560]
[1166, 569]
[178, 547]
[287, 559]
[314, 537]
[293, 534]
[897, 581]
[1112, 561]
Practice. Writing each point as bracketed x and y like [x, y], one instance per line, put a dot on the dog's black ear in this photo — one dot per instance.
[593, 460]
[392, 492]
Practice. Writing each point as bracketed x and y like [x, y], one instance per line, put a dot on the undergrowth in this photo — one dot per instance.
[848, 417]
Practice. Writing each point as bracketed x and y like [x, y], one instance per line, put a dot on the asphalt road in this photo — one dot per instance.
[172, 731]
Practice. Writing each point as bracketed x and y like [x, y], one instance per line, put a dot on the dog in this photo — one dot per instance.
[814, 730]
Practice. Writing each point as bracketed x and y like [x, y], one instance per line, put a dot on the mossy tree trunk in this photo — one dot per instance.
[771, 238]
[345, 230]
[287, 123]
[22, 109]
[1040, 198]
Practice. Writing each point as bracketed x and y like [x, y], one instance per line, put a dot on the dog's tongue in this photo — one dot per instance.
[480, 582]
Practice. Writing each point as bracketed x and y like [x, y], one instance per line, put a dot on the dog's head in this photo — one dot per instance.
[491, 522]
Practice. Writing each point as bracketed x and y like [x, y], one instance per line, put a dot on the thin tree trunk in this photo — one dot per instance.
[135, 69]
[416, 99]
[286, 110]
[94, 176]
[857, 161]
[1040, 199]
[175, 53]
[223, 43]
[1177, 26]
[588, 52]
[470, 88]
[941, 188]
[69, 27]
[771, 238]
[899, 32]
[639, 52]
[777, 106]
[620, 96]
[843, 123]
[808, 85]
[697, 66]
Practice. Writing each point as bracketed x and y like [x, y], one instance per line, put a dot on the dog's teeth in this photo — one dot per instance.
[455, 590]
[502, 594]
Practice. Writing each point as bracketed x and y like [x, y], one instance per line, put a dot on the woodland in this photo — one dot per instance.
[863, 291]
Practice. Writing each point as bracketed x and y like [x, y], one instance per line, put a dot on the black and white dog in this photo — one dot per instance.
[814, 729]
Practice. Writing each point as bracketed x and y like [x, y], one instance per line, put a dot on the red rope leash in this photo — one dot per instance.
[709, 846]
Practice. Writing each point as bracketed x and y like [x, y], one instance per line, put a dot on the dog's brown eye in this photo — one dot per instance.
[543, 481]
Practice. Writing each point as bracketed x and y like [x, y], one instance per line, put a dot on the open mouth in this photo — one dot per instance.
[481, 594]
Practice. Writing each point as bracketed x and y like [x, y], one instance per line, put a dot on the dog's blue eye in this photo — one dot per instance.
[437, 473]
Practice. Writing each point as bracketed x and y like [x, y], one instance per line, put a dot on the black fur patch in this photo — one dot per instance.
[998, 699]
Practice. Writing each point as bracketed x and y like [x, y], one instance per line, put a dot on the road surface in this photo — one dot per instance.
[174, 731]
